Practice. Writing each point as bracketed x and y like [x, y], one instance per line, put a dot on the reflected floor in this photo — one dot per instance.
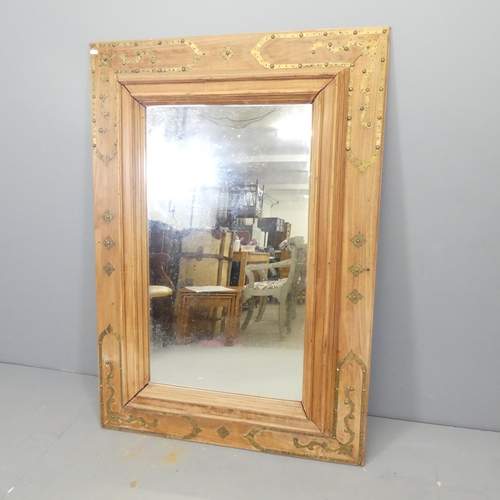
[258, 363]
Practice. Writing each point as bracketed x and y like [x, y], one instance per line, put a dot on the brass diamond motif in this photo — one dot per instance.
[223, 432]
[356, 269]
[108, 268]
[354, 296]
[108, 216]
[108, 243]
[227, 53]
[358, 241]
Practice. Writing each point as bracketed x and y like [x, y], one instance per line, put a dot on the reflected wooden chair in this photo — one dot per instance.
[281, 289]
[161, 287]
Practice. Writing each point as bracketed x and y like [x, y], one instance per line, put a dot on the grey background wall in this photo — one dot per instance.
[436, 338]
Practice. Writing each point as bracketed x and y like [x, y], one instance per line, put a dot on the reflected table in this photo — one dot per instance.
[191, 298]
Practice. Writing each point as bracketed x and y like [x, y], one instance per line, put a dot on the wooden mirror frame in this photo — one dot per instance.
[343, 74]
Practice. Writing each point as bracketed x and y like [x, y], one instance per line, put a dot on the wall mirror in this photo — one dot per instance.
[237, 184]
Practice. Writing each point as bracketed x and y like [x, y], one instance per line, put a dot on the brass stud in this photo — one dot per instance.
[159, 42]
[271, 66]
[272, 36]
[346, 48]
[184, 68]
[104, 58]
[351, 388]
[346, 401]
[108, 268]
[379, 117]
[362, 410]
[354, 32]
[330, 44]
[352, 65]
[367, 90]
[93, 97]
[138, 53]
[377, 147]
[300, 65]
[351, 417]
[182, 40]
[100, 130]
[313, 51]
[364, 71]
[368, 124]
[361, 108]
[360, 434]
[384, 31]
[383, 59]
[325, 33]
[354, 296]
[94, 120]
[123, 63]
[349, 117]
[346, 430]
[136, 44]
[348, 148]
[94, 145]
[301, 35]
[351, 89]
[381, 89]
[326, 64]
[113, 44]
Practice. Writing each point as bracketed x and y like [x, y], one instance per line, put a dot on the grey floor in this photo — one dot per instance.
[52, 447]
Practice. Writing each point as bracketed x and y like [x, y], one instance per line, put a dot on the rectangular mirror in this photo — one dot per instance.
[237, 183]
[228, 190]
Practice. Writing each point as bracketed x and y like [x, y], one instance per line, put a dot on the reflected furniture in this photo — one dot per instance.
[205, 257]
[193, 298]
[280, 289]
[244, 258]
[161, 287]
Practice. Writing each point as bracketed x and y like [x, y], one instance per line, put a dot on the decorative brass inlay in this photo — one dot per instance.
[370, 51]
[356, 269]
[223, 432]
[358, 241]
[256, 51]
[227, 53]
[114, 416]
[351, 357]
[354, 296]
[108, 243]
[145, 49]
[322, 441]
[107, 216]
[129, 55]
[109, 269]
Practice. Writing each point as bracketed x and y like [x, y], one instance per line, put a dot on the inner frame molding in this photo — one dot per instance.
[343, 74]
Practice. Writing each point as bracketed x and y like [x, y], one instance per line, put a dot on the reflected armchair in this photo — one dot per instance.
[281, 289]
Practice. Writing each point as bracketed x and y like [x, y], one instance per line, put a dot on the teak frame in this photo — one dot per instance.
[343, 74]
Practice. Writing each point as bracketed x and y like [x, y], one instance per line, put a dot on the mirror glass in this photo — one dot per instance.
[228, 198]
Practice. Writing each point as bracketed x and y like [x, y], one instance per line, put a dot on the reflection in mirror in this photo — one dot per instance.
[228, 190]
